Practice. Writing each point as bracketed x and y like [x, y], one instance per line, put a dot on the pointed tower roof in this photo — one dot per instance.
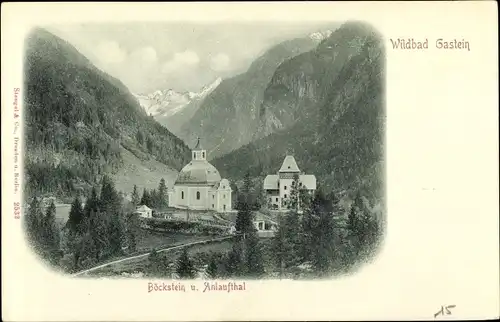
[198, 145]
[289, 165]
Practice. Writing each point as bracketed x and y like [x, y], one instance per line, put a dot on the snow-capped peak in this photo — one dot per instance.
[169, 102]
[207, 89]
[320, 35]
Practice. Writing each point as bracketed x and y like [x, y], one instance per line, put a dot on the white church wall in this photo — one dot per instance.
[187, 196]
[224, 200]
[213, 201]
[209, 199]
[197, 197]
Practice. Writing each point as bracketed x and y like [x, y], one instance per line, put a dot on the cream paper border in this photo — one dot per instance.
[442, 178]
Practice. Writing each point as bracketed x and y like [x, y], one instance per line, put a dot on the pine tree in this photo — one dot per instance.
[33, 223]
[234, 261]
[254, 257]
[245, 194]
[135, 197]
[294, 201]
[51, 236]
[115, 233]
[92, 203]
[280, 246]
[185, 267]
[293, 232]
[109, 202]
[324, 240]
[85, 254]
[310, 221]
[75, 218]
[260, 197]
[363, 230]
[153, 199]
[98, 229]
[244, 219]
[162, 194]
[247, 186]
[132, 230]
[212, 269]
[146, 199]
[366, 230]
[307, 224]
[287, 242]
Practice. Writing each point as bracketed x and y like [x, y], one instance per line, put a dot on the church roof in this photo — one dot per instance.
[289, 165]
[198, 172]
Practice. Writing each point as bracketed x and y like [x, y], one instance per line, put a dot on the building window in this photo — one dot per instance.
[276, 199]
[213, 196]
[284, 196]
[197, 195]
[224, 207]
[224, 196]
[213, 206]
[182, 194]
[203, 155]
[284, 187]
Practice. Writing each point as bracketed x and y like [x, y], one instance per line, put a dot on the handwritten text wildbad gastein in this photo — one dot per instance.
[440, 43]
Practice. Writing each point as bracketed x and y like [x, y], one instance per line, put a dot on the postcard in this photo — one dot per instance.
[248, 161]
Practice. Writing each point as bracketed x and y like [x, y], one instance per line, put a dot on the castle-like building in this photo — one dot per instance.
[199, 185]
[278, 186]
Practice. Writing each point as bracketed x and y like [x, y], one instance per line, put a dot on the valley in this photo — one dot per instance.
[99, 157]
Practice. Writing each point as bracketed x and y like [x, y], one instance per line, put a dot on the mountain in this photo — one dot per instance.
[80, 122]
[301, 84]
[172, 109]
[326, 107]
[229, 116]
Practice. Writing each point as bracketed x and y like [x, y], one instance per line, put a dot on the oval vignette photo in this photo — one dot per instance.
[205, 151]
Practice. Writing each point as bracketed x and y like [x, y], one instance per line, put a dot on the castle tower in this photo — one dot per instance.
[199, 154]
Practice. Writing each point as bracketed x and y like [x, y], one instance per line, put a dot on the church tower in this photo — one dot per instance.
[199, 154]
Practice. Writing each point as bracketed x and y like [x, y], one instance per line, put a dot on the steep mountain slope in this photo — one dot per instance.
[229, 116]
[173, 109]
[301, 83]
[79, 120]
[336, 131]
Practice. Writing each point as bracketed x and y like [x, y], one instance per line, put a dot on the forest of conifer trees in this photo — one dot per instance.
[311, 240]
[104, 227]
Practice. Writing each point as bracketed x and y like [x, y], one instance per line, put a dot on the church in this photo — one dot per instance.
[199, 185]
[278, 186]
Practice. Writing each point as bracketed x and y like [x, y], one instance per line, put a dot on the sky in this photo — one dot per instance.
[183, 57]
